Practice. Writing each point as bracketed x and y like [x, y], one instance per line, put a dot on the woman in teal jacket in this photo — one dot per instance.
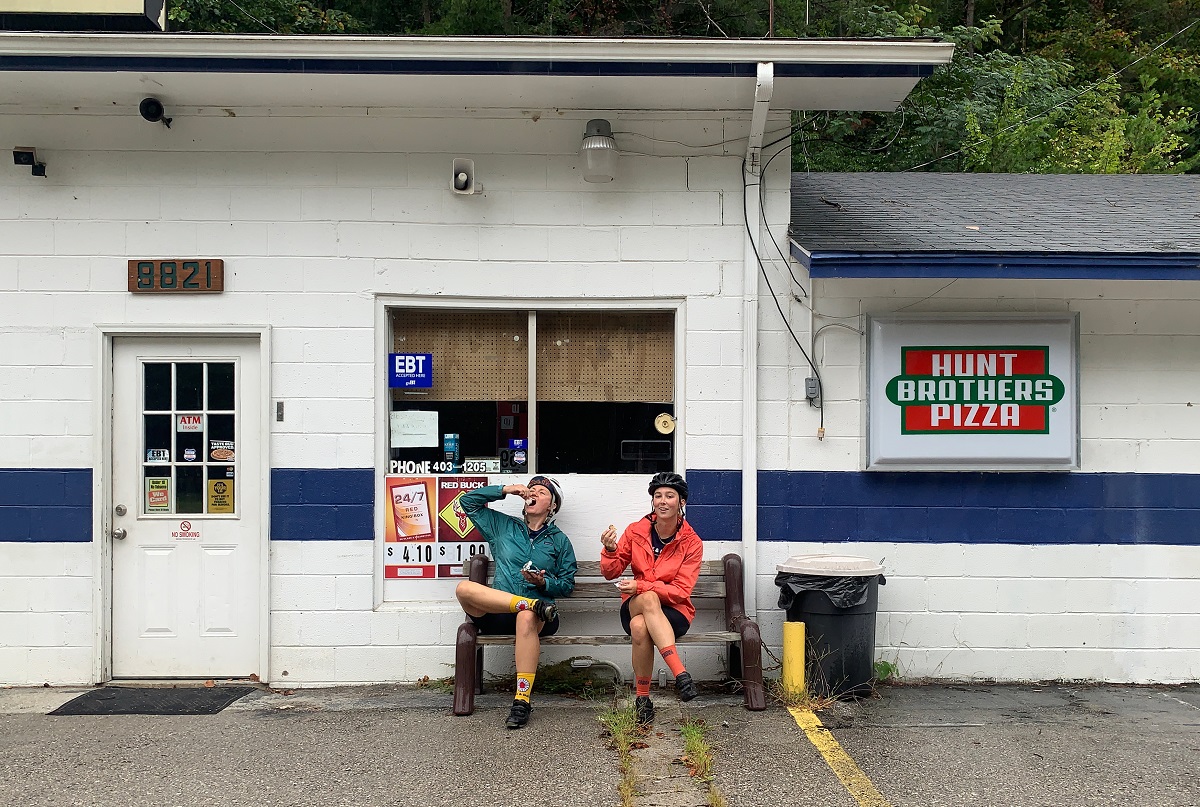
[534, 564]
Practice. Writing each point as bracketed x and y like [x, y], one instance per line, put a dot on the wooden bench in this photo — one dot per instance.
[719, 581]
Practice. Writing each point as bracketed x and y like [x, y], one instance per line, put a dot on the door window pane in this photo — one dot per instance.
[157, 386]
[220, 385]
[158, 437]
[189, 382]
[189, 498]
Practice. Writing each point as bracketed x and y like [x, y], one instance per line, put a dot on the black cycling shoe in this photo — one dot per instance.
[643, 710]
[518, 715]
[545, 611]
[685, 687]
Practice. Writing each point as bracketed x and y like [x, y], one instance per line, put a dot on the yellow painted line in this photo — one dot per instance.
[850, 775]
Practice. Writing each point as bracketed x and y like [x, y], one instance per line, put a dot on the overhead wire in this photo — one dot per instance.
[820, 405]
[251, 16]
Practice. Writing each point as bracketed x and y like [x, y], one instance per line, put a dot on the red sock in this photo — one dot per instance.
[672, 658]
[643, 687]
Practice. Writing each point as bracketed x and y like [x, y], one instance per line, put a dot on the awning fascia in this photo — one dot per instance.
[520, 55]
[1003, 265]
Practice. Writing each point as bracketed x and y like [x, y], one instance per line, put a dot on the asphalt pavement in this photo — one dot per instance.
[914, 746]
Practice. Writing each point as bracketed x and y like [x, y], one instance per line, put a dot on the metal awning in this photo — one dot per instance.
[57, 72]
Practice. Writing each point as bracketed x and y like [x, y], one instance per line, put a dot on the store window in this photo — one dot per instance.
[602, 387]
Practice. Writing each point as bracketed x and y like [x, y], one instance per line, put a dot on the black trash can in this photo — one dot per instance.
[836, 597]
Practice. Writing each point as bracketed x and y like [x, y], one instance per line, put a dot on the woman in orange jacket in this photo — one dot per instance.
[665, 553]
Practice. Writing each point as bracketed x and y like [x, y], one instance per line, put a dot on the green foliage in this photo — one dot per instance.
[886, 671]
[260, 16]
[999, 111]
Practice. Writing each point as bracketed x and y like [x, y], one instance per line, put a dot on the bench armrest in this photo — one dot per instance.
[735, 601]
[477, 569]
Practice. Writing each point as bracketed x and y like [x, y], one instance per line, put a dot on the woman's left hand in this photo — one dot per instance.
[535, 577]
[627, 585]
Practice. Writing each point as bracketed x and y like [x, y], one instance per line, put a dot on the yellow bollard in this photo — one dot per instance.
[793, 657]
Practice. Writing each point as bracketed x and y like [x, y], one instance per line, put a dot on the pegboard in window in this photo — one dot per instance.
[478, 355]
[606, 356]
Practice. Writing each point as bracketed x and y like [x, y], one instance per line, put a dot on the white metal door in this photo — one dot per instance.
[186, 534]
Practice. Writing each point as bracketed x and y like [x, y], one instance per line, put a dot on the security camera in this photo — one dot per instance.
[27, 156]
[152, 110]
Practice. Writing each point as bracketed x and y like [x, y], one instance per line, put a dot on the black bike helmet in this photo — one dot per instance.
[667, 479]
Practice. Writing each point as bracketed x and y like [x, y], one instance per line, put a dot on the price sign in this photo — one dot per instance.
[181, 275]
[445, 552]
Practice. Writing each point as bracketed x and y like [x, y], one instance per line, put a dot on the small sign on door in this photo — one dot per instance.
[158, 495]
[220, 496]
[190, 423]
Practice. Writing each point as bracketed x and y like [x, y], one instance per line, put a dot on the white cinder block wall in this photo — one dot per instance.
[316, 214]
[1019, 612]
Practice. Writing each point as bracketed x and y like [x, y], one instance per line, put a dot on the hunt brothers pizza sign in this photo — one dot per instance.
[1006, 390]
[972, 393]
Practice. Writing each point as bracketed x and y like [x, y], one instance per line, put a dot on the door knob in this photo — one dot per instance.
[119, 534]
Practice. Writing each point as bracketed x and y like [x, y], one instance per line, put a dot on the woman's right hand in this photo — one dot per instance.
[515, 490]
[609, 538]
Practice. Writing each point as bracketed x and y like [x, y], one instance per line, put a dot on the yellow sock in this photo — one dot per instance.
[524, 686]
[521, 603]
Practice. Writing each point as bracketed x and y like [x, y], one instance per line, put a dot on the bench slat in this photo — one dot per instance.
[708, 568]
[607, 591]
[709, 637]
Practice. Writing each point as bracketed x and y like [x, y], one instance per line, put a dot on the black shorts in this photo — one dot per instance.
[678, 621]
[506, 625]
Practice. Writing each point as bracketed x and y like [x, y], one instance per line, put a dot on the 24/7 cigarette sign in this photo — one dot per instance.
[973, 392]
[990, 390]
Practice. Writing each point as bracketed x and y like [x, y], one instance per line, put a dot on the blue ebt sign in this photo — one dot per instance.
[410, 370]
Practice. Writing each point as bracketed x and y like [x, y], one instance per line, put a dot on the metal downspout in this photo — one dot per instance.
[763, 89]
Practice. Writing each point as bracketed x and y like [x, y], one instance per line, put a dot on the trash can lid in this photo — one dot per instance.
[830, 566]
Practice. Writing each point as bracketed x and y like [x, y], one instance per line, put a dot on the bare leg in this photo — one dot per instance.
[478, 599]
[643, 647]
[648, 606]
[528, 644]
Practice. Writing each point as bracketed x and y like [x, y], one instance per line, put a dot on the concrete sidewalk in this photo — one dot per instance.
[398, 745]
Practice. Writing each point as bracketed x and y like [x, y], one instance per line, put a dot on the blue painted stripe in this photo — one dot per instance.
[447, 67]
[972, 508]
[322, 504]
[317, 504]
[46, 505]
[1014, 265]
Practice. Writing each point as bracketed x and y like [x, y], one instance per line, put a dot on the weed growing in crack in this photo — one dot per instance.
[622, 730]
[698, 756]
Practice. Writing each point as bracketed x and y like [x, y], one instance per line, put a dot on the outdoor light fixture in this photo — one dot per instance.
[599, 152]
[27, 155]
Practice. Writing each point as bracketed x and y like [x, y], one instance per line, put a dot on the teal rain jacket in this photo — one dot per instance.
[511, 547]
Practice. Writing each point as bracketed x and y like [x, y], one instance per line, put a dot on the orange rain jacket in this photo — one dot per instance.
[673, 575]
